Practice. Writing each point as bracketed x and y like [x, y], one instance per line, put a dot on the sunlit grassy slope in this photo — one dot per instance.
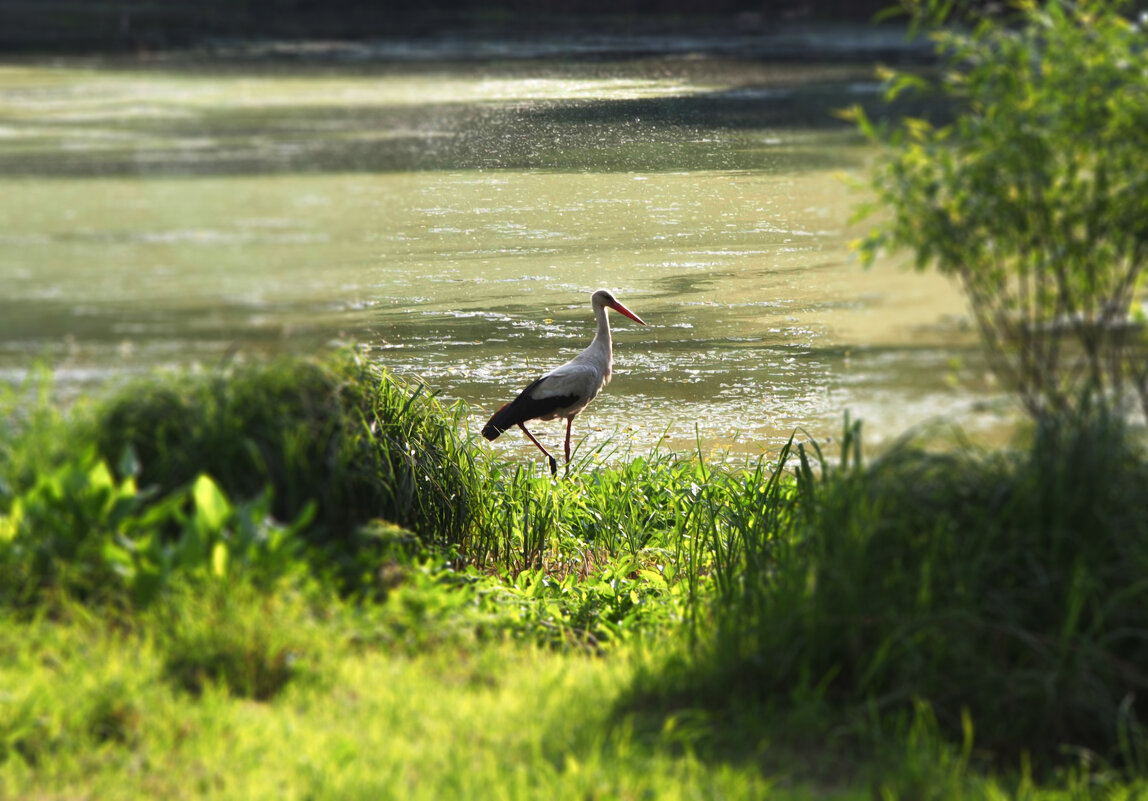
[456, 722]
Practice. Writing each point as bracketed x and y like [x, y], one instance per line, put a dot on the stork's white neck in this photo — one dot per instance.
[603, 316]
[601, 350]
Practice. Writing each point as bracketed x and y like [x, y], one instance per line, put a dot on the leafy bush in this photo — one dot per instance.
[189, 476]
[1036, 197]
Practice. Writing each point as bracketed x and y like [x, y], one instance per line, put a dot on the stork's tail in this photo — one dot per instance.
[499, 422]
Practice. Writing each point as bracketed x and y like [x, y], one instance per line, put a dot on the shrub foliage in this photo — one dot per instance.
[1036, 197]
[268, 470]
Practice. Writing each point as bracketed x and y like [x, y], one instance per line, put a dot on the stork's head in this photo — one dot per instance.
[605, 298]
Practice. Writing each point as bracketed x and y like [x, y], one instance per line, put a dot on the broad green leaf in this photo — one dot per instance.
[100, 477]
[211, 507]
[10, 523]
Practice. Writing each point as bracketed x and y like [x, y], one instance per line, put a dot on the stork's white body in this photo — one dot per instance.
[568, 389]
[581, 378]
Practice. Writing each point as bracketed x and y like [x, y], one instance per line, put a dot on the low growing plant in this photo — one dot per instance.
[80, 533]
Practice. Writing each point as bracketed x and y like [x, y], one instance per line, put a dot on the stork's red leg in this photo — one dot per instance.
[569, 423]
[553, 461]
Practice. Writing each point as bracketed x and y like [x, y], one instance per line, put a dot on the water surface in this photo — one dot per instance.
[455, 216]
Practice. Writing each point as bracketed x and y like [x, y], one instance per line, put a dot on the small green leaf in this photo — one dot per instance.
[219, 560]
[99, 477]
[10, 523]
[129, 464]
[654, 577]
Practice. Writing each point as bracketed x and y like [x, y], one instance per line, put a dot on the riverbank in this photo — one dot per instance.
[309, 560]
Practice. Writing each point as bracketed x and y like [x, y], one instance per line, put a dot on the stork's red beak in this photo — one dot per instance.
[618, 307]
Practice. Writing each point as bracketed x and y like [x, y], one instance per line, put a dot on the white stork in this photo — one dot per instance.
[565, 390]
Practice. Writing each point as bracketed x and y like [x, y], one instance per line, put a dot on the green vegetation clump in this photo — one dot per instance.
[1004, 593]
[268, 470]
[960, 605]
[336, 433]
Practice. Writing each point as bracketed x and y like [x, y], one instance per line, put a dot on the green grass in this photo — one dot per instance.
[1004, 592]
[91, 710]
[502, 722]
[308, 562]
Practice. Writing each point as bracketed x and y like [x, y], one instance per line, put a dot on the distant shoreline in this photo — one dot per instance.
[60, 28]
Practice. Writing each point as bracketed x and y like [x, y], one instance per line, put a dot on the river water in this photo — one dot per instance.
[455, 215]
